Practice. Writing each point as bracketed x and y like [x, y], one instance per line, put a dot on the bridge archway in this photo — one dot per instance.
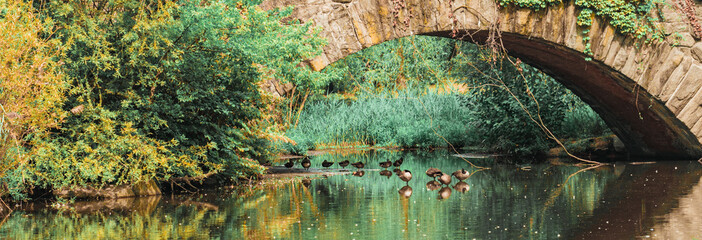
[649, 95]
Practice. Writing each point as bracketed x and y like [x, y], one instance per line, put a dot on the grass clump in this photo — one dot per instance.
[407, 118]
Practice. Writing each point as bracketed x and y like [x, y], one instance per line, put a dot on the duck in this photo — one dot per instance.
[445, 179]
[461, 187]
[327, 164]
[306, 163]
[289, 164]
[359, 173]
[386, 173]
[358, 164]
[433, 173]
[405, 191]
[344, 163]
[386, 164]
[405, 175]
[461, 174]
[444, 193]
[433, 185]
[398, 162]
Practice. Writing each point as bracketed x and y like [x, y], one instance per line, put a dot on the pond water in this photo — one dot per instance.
[507, 201]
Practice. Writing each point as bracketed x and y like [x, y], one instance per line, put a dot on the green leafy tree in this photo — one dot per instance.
[162, 89]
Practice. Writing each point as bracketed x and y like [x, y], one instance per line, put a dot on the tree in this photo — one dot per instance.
[160, 89]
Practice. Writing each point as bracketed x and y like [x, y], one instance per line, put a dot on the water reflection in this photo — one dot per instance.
[433, 185]
[385, 173]
[406, 191]
[461, 187]
[504, 202]
[444, 193]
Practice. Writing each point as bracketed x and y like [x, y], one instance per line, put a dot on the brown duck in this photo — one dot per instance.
[306, 163]
[461, 174]
[433, 173]
[445, 179]
[386, 164]
[358, 164]
[289, 164]
[327, 164]
[344, 163]
[405, 175]
[398, 162]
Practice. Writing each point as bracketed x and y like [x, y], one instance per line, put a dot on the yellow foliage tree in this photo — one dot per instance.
[31, 86]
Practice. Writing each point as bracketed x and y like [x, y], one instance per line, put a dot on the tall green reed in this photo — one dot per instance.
[407, 118]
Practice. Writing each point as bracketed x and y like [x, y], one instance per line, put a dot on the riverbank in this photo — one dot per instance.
[594, 148]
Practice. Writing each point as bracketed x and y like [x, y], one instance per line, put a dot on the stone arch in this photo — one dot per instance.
[649, 94]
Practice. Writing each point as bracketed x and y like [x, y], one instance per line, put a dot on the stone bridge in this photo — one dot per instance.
[650, 96]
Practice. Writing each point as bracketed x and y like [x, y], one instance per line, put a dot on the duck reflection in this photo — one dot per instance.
[386, 173]
[405, 191]
[444, 193]
[359, 173]
[461, 187]
[306, 182]
[433, 185]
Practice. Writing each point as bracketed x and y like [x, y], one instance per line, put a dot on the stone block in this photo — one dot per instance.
[664, 69]
[614, 47]
[692, 112]
[696, 51]
[606, 37]
[683, 39]
[673, 81]
[689, 85]
[697, 130]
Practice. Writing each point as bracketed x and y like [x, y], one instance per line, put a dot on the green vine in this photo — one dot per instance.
[627, 17]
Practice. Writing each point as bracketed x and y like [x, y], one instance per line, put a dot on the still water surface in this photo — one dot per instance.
[528, 201]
